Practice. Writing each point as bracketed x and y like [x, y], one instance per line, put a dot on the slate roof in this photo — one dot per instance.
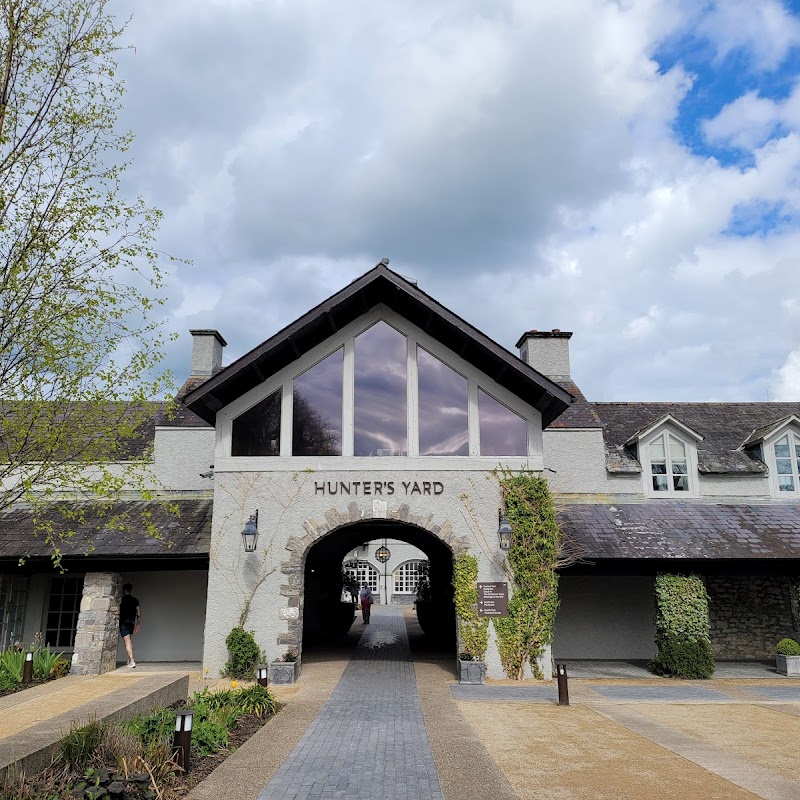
[188, 533]
[580, 414]
[723, 426]
[679, 530]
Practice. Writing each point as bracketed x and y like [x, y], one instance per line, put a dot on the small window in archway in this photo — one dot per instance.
[257, 432]
[406, 578]
[503, 433]
[363, 572]
[317, 409]
[380, 409]
[443, 403]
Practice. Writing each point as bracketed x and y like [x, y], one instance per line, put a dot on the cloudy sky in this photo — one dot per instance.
[628, 170]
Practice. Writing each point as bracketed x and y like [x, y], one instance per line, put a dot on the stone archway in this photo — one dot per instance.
[351, 521]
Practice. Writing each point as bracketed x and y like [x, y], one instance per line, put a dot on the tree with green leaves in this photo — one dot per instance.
[80, 279]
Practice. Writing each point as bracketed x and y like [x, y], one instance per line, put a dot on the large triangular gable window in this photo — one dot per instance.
[382, 394]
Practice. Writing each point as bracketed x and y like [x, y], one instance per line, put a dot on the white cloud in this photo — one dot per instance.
[786, 386]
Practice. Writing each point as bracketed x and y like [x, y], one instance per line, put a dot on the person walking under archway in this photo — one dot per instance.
[365, 595]
[130, 615]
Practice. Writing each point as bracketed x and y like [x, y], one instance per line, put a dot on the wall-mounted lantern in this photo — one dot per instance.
[504, 531]
[383, 554]
[250, 533]
[182, 740]
[262, 675]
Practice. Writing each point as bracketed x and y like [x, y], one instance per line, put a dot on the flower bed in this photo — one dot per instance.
[134, 760]
[46, 666]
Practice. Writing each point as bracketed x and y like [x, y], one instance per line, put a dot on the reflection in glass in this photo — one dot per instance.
[380, 416]
[503, 433]
[676, 466]
[317, 411]
[783, 462]
[257, 432]
[443, 402]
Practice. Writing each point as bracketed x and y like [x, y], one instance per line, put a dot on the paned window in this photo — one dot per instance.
[13, 596]
[787, 462]
[317, 409]
[363, 572]
[503, 433]
[63, 606]
[669, 468]
[257, 432]
[380, 409]
[443, 408]
[406, 577]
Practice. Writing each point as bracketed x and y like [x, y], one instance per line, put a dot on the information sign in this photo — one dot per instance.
[492, 599]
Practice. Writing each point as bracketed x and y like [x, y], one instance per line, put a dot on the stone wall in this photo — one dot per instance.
[749, 615]
[98, 624]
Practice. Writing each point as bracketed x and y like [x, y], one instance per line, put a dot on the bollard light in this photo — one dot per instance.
[27, 669]
[262, 675]
[563, 686]
[182, 741]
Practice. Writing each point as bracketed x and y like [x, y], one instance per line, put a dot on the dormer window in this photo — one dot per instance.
[787, 462]
[669, 464]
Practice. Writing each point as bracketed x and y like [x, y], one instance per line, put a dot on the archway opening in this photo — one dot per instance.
[328, 605]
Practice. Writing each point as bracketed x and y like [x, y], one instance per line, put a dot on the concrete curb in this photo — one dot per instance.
[34, 748]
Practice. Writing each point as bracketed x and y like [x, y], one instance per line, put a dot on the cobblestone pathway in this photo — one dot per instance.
[369, 739]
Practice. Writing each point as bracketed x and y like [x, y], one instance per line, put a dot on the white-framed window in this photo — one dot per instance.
[786, 456]
[363, 572]
[406, 577]
[380, 388]
[668, 465]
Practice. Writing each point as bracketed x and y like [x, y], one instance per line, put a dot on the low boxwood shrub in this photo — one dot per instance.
[788, 647]
[679, 657]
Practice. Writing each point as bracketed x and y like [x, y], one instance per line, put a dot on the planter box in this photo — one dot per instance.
[282, 673]
[471, 672]
[788, 665]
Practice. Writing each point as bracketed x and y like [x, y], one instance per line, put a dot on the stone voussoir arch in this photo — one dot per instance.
[341, 517]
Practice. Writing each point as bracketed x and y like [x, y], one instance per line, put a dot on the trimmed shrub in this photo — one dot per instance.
[788, 647]
[679, 657]
[682, 628]
[244, 654]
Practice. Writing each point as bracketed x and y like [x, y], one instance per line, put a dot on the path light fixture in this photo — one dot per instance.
[250, 533]
[182, 740]
[262, 674]
[563, 685]
[504, 530]
[27, 669]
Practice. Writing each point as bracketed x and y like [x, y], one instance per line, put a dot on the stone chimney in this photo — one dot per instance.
[547, 352]
[206, 353]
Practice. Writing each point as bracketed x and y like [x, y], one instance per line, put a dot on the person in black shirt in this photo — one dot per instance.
[130, 615]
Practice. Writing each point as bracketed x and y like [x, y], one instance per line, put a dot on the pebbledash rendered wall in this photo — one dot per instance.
[294, 515]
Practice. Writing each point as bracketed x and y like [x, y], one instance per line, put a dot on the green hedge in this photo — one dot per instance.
[682, 627]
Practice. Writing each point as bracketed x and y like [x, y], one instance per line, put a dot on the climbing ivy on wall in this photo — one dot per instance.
[682, 627]
[536, 552]
[473, 631]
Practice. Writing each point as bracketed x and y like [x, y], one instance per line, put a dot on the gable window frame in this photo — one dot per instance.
[345, 338]
[792, 433]
[665, 431]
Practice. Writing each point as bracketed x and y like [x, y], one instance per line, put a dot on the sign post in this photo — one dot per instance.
[492, 599]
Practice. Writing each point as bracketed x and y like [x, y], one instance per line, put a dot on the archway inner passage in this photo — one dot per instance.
[328, 610]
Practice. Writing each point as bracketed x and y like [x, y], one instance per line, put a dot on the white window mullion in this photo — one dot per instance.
[286, 419]
[412, 397]
[348, 398]
[474, 420]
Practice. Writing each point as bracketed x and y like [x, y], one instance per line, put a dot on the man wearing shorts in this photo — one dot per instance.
[130, 615]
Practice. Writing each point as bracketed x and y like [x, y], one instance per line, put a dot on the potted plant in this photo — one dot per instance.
[285, 670]
[473, 630]
[787, 657]
[471, 669]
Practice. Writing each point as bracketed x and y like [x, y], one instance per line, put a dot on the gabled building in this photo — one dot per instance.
[380, 416]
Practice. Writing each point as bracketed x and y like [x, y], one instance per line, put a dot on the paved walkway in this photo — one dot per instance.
[369, 740]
